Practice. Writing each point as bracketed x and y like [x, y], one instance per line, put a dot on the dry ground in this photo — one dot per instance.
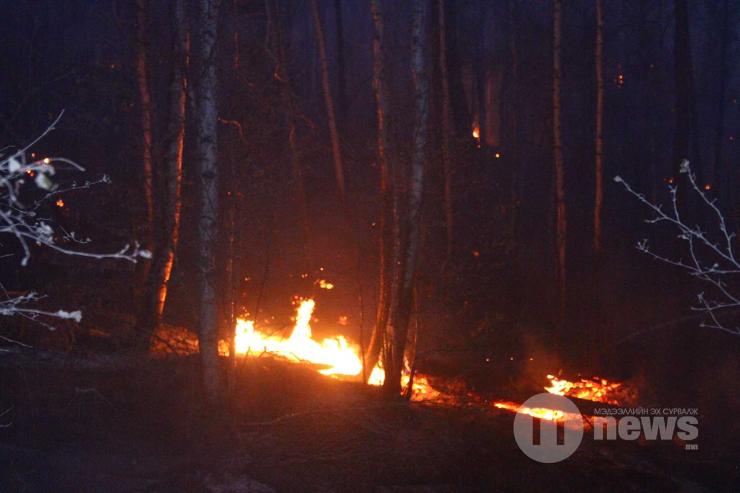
[286, 428]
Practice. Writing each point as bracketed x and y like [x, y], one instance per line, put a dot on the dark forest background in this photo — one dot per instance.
[497, 291]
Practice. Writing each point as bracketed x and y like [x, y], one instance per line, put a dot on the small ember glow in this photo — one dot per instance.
[324, 284]
[59, 203]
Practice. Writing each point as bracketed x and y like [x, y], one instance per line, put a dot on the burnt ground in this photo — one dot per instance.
[289, 429]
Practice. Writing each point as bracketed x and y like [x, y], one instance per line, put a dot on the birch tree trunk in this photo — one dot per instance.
[146, 234]
[406, 272]
[329, 102]
[599, 144]
[561, 225]
[386, 215]
[159, 275]
[207, 172]
[446, 130]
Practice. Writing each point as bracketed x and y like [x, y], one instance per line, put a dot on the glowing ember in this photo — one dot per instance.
[324, 284]
[596, 389]
[535, 412]
[338, 355]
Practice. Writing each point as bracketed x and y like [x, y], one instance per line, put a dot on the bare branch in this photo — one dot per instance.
[711, 260]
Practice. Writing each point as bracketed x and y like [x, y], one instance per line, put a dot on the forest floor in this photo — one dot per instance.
[287, 428]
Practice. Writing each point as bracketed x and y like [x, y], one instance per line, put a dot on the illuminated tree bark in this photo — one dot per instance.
[386, 213]
[405, 276]
[599, 144]
[329, 102]
[164, 256]
[561, 225]
[207, 173]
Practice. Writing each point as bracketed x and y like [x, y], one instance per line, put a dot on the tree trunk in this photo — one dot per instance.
[446, 130]
[341, 64]
[561, 225]
[386, 198]
[406, 273]
[159, 275]
[599, 144]
[329, 101]
[146, 233]
[207, 172]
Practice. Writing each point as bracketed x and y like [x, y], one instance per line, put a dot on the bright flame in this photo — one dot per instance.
[535, 412]
[336, 354]
[59, 203]
[340, 357]
[596, 389]
[476, 132]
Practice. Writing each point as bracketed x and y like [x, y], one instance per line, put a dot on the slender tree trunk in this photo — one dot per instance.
[561, 225]
[146, 233]
[341, 64]
[599, 144]
[329, 101]
[407, 273]
[207, 172]
[386, 192]
[446, 130]
[159, 275]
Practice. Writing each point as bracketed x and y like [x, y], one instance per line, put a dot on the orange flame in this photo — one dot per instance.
[338, 355]
[596, 389]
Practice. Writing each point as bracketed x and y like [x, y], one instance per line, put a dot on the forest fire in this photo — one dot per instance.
[595, 390]
[337, 354]
[340, 357]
